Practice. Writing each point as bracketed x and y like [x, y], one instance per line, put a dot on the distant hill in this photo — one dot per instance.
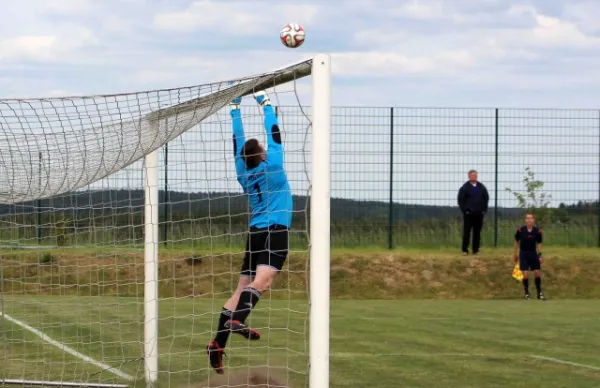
[201, 205]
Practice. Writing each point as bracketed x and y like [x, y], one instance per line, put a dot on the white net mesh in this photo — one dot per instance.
[51, 146]
[72, 234]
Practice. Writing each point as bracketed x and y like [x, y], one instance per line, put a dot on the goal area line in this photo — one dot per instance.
[564, 362]
[465, 355]
[66, 349]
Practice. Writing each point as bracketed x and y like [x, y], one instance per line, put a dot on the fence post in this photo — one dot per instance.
[391, 201]
[166, 198]
[496, 181]
[598, 204]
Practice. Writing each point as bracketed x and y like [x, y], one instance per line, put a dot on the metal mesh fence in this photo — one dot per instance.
[396, 173]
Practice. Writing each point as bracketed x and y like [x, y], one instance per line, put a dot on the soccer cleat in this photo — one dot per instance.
[541, 296]
[215, 355]
[262, 98]
[527, 297]
[243, 330]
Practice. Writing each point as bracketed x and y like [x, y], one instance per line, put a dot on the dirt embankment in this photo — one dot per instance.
[353, 275]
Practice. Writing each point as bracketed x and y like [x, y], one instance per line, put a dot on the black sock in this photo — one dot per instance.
[248, 299]
[526, 286]
[538, 285]
[222, 333]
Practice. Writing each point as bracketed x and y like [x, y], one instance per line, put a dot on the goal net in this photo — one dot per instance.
[123, 230]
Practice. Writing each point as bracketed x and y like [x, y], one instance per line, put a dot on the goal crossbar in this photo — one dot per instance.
[240, 88]
[48, 159]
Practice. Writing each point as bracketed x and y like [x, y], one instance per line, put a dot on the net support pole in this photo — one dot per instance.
[320, 222]
[151, 268]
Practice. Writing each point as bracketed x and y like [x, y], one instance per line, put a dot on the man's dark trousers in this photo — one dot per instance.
[472, 221]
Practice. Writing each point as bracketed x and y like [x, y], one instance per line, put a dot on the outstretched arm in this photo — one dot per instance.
[274, 146]
[238, 140]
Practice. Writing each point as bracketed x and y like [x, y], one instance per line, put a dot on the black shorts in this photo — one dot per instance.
[529, 261]
[265, 246]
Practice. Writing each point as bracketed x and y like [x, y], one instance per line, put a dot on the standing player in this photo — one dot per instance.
[262, 177]
[528, 239]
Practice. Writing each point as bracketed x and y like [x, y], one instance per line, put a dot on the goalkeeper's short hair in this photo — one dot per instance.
[251, 153]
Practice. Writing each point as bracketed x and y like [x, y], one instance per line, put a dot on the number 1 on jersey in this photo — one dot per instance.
[257, 188]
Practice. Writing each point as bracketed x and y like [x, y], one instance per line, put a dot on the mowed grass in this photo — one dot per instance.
[374, 343]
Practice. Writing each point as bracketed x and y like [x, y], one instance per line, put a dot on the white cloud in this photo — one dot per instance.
[205, 15]
[465, 48]
[378, 64]
[555, 32]
[27, 48]
[434, 49]
[235, 18]
[382, 37]
[117, 24]
[62, 47]
[388, 63]
[585, 15]
[62, 93]
[146, 76]
[548, 31]
[64, 7]
[521, 9]
[420, 10]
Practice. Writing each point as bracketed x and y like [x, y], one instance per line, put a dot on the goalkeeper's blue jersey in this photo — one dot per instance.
[267, 186]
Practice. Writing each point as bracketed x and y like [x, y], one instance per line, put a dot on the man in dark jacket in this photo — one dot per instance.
[473, 201]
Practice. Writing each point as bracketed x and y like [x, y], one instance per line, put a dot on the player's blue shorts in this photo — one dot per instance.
[529, 261]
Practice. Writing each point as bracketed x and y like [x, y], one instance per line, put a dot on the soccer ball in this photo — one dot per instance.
[292, 35]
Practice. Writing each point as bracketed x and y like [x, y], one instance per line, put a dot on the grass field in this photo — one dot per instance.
[373, 343]
[404, 318]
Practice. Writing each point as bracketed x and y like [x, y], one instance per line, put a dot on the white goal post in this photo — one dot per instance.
[320, 216]
[61, 168]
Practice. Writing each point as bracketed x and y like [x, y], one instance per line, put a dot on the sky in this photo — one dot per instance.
[485, 53]
[455, 55]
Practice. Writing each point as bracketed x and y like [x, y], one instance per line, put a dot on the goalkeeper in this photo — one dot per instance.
[528, 239]
[263, 179]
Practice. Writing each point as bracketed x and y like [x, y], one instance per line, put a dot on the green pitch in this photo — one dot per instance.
[509, 343]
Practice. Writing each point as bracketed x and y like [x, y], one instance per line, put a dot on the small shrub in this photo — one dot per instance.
[46, 259]
[194, 260]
